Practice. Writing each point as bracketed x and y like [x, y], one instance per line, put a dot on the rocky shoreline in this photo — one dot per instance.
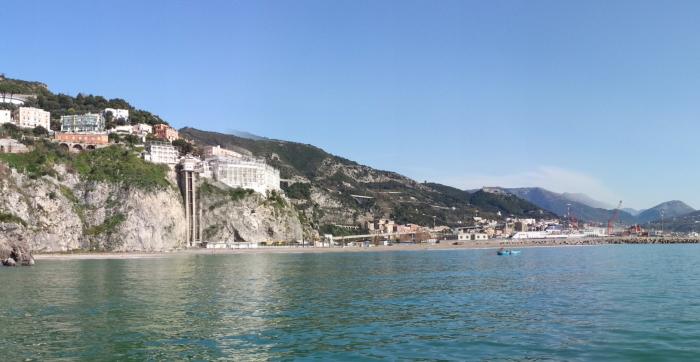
[16, 254]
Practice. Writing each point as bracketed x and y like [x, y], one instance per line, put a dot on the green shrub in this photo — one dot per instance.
[118, 165]
[108, 227]
[11, 219]
[299, 191]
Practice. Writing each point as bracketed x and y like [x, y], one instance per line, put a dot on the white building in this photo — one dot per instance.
[117, 113]
[142, 128]
[245, 172]
[83, 123]
[468, 236]
[161, 152]
[122, 130]
[213, 151]
[5, 116]
[30, 117]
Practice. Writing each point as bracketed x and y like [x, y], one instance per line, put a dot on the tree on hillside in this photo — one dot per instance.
[40, 131]
[7, 90]
[55, 125]
[109, 120]
[183, 146]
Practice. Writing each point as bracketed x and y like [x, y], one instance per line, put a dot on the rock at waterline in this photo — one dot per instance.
[16, 255]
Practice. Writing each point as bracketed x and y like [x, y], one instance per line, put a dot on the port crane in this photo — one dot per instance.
[615, 215]
[573, 221]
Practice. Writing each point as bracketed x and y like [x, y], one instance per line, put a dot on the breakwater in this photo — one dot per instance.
[603, 241]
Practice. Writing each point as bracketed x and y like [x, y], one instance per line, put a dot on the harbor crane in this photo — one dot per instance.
[614, 217]
[573, 221]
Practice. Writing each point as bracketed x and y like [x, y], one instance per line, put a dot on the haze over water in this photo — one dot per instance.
[583, 303]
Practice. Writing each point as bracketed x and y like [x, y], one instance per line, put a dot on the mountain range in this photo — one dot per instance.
[588, 209]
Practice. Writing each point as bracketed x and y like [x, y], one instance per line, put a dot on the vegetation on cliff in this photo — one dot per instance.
[113, 164]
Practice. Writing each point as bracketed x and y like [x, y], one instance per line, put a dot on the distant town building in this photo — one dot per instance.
[30, 117]
[212, 151]
[521, 226]
[9, 145]
[161, 152]
[83, 123]
[165, 132]
[122, 114]
[83, 138]
[5, 116]
[471, 236]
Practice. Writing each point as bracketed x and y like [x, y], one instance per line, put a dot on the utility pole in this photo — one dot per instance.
[662, 222]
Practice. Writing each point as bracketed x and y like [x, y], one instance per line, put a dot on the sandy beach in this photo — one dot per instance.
[445, 245]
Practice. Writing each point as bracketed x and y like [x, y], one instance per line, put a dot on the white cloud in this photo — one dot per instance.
[551, 178]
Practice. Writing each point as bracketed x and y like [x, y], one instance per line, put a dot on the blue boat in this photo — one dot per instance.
[508, 252]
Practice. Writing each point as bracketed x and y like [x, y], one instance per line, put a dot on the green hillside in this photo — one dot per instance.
[337, 190]
[63, 104]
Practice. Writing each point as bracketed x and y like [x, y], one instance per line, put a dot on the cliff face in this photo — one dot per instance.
[238, 215]
[63, 213]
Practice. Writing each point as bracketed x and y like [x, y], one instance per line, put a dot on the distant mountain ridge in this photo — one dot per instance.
[562, 205]
[670, 210]
[586, 200]
[583, 207]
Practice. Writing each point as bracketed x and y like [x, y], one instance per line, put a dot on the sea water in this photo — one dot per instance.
[569, 303]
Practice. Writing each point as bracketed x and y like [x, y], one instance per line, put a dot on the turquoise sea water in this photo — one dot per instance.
[583, 303]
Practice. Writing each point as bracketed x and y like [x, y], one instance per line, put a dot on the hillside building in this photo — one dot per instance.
[96, 139]
[247, 173]
[142, 128]
[5, 116]
[83, 123]
[30, 117]
[161, 152]
[122, 114]
[165, 132]
[212, 151]
[122, 130]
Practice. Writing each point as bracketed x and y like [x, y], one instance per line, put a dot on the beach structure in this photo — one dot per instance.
[471, 236]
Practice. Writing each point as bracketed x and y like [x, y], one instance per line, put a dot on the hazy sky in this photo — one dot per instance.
[600, 97]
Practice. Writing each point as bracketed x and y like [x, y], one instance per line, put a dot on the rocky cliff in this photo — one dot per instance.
[110, 200]
[63, 212]
[242, 215]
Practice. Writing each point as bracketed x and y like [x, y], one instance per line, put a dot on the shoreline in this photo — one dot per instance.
[492, 244]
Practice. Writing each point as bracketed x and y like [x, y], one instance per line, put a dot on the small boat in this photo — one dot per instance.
[508, 252]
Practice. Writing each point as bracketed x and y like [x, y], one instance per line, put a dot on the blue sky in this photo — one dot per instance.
[601, 97]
